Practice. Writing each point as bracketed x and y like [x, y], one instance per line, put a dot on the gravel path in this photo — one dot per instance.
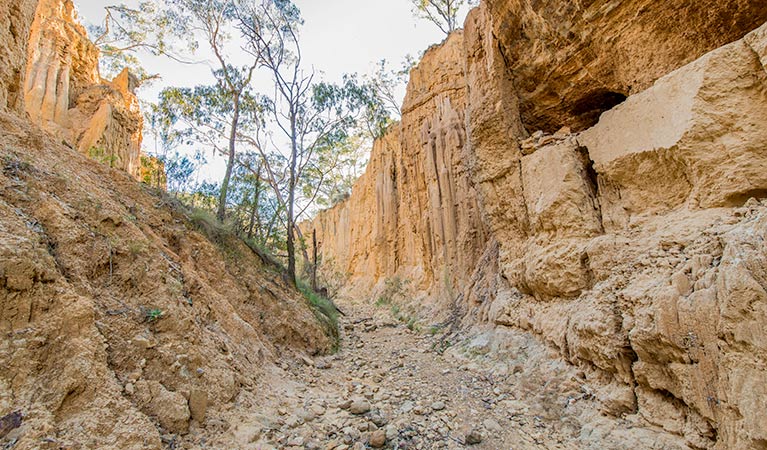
[390, 387]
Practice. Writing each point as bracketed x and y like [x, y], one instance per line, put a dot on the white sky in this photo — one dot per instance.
[339, 36]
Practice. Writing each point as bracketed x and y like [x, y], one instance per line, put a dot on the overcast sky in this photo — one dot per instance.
[339, 36]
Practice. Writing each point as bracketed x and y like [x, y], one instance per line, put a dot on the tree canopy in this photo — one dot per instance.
[442, 13]
[296, 145]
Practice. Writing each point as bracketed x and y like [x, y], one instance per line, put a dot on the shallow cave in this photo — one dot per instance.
[589, 107]
[579, 113]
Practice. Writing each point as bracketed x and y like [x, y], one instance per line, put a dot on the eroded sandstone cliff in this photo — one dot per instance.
[424, 222]
[572, 60]
[15, 21]
[65, 95]
[633, 246]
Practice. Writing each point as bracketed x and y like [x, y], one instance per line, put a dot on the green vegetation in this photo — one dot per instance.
[207, 223]
[136, 248]
[413, 325]
[394, 288]
[434, 329]
[442, 13]
[226, 237]
[101, 155]
[300, 142]
[153, 315]
[290, 146]
[152, 172]
[324, 309]
[441, 345]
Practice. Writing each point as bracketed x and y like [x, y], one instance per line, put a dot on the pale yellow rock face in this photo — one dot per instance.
[634, 248]
[65, 95]
[697, 136]
[417, 184]
[15, 21]
[571, 60]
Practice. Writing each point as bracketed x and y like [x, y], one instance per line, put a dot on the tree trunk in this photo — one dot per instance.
[291, 198]
[314, 260]
[230, 164]
[252, 222]
[256, 196]
[265, 236]
[304, 252]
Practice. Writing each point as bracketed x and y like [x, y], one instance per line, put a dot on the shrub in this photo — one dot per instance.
[100, 155]
[324, 309]
[209, 225]
[394, 288]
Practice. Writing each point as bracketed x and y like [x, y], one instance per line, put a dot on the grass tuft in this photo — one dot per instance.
[209, 225]
[324, 310]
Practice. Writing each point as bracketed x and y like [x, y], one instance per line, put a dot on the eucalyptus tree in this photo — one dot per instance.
[310, 117]
[127, 31]
[176, 27]
[387, 81]
[442, 13]
[213, 116]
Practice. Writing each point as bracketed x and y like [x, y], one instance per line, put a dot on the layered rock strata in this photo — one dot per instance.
[633, 247]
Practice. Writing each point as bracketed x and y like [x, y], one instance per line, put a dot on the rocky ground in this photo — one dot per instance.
[394, 387]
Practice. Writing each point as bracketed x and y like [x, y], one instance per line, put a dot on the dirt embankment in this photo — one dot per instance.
[121, 324]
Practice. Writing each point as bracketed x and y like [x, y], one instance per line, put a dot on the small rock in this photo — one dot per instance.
[407, 407]
[473, 437]
[293, 422]
[322, 365]
[307, 361]
[171, 408]
[317, 410]
[546, 140]
[141, 342]
[359, 406]
[377, 439]
[438, 406]
[492, 425]
[198, 404]
[305, 415]
[378, 420]
[296, 442]
[562, 133]
[10, 422]
[350, 435]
